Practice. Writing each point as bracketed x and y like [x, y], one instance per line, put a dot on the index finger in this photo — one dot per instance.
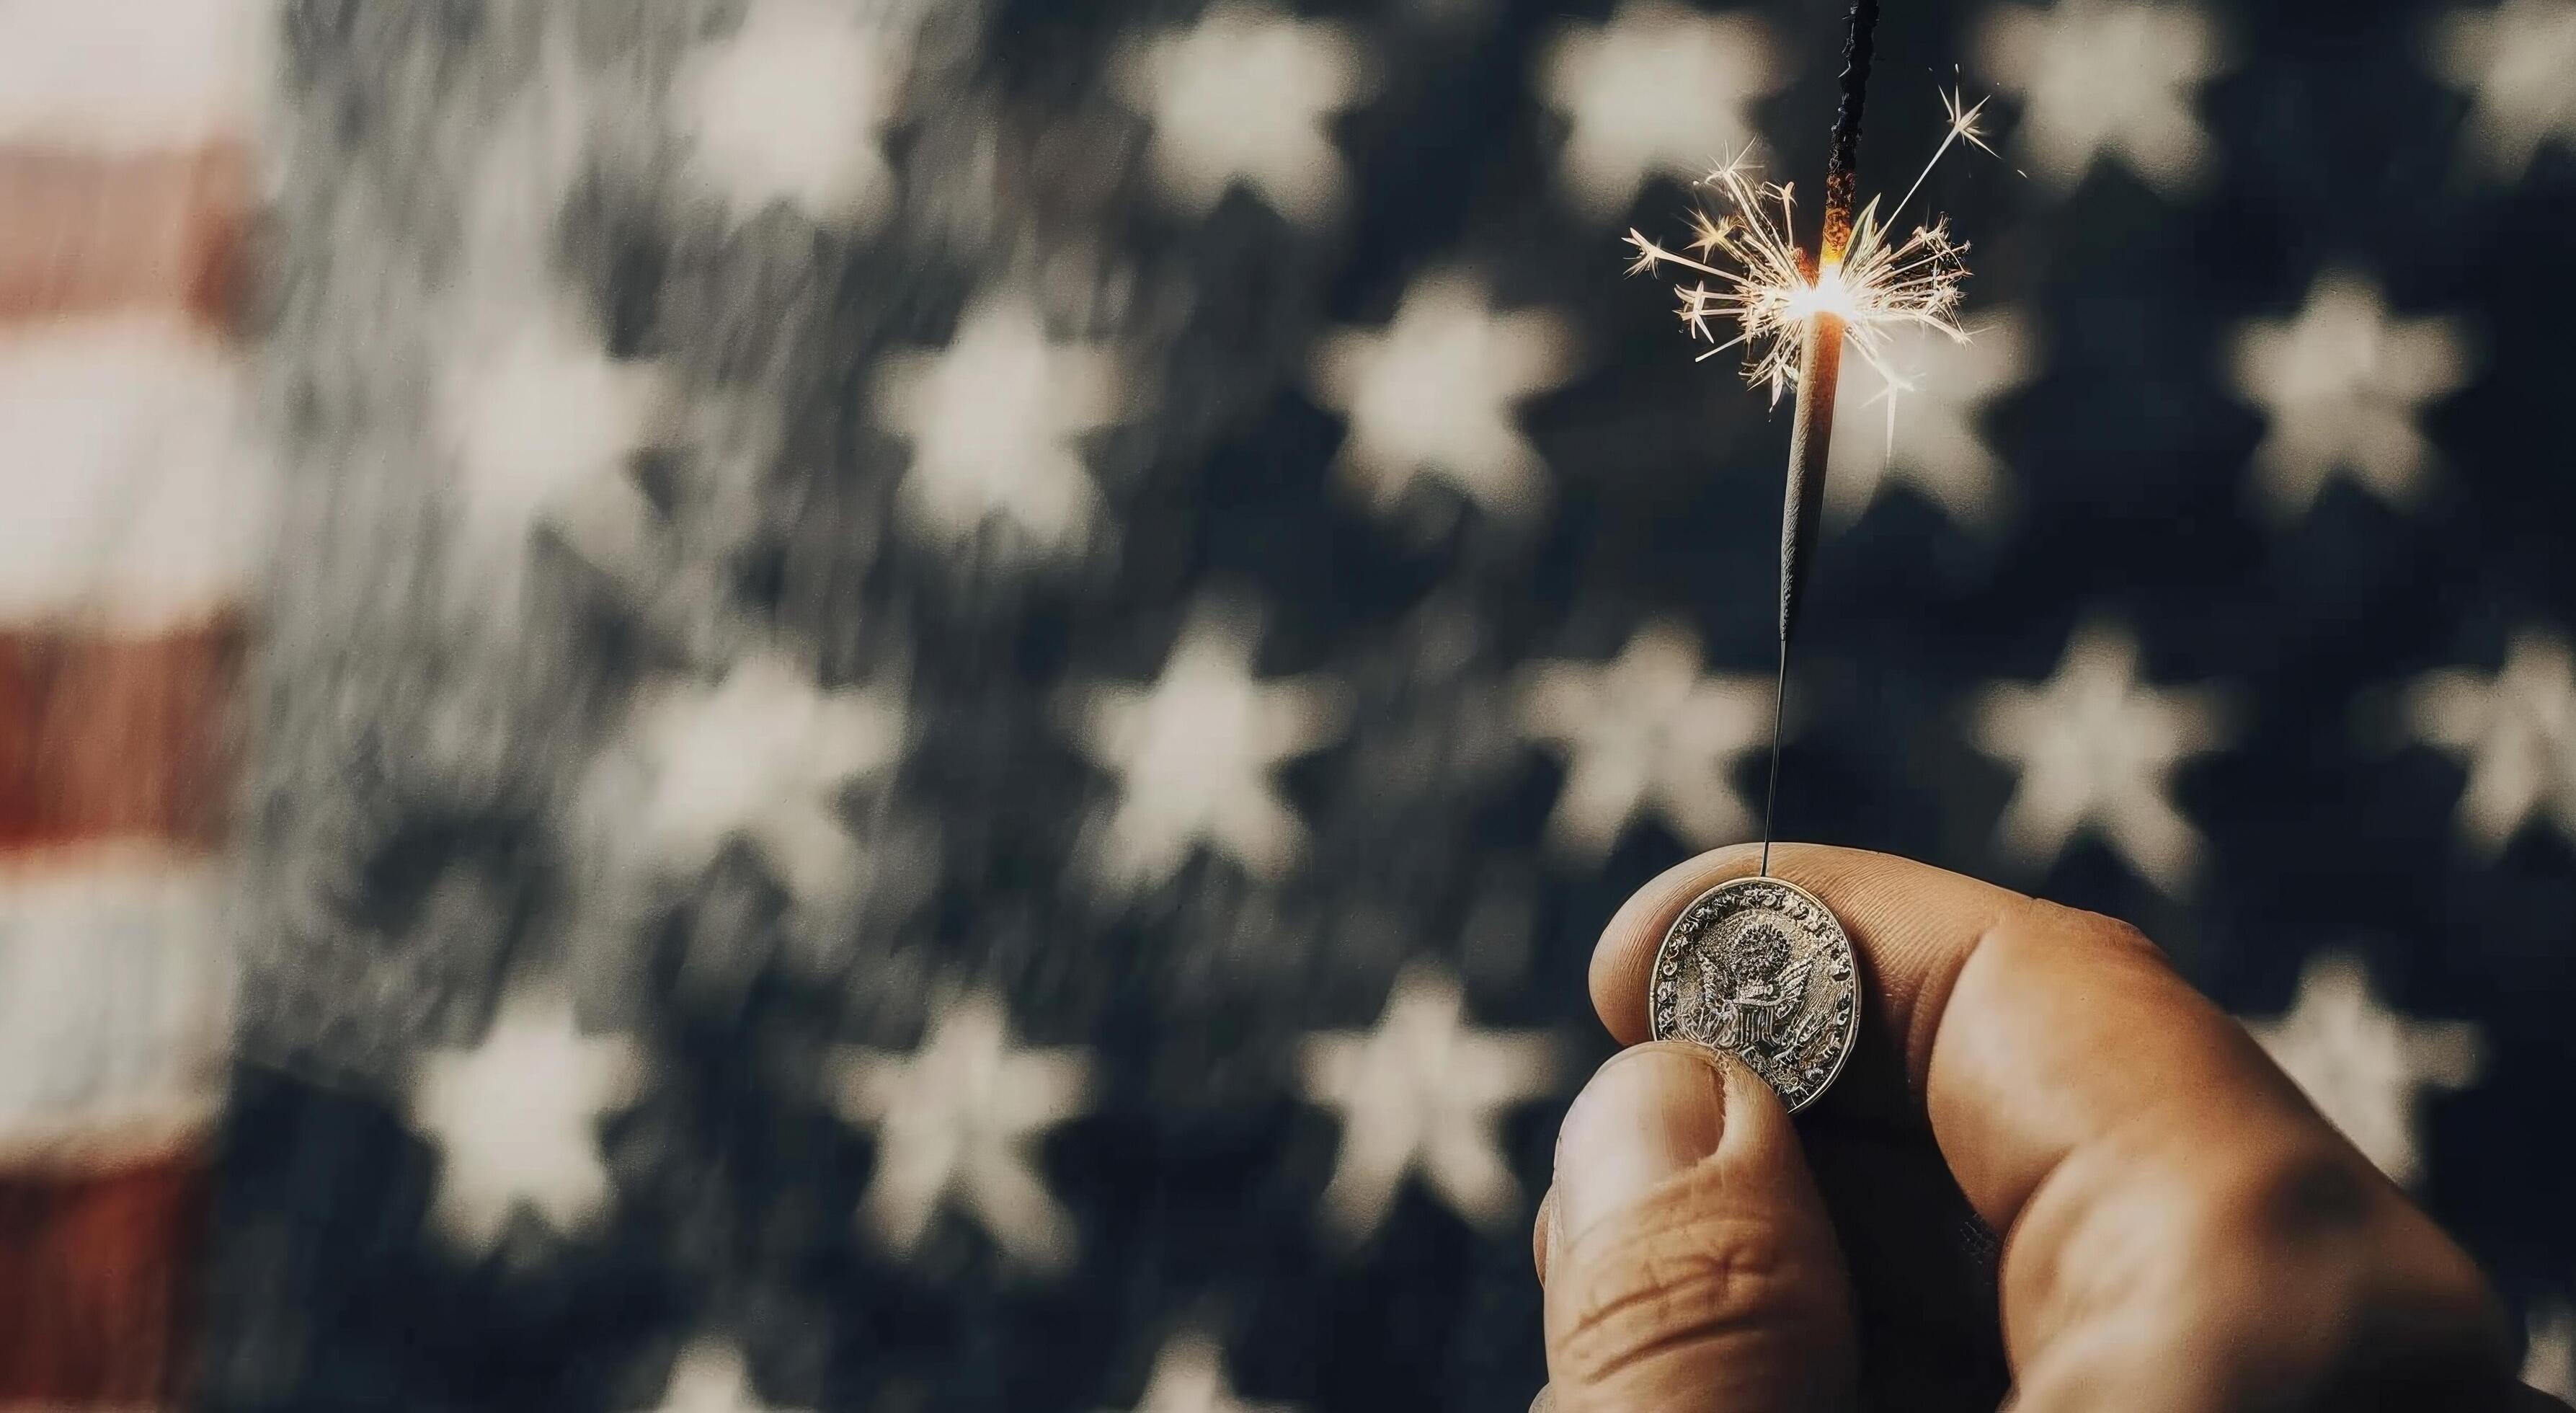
[2155, 1174]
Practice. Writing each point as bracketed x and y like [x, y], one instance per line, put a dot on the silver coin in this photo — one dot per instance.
[1762, 970]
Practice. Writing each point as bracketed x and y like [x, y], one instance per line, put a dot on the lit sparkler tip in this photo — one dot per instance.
[1771, 290]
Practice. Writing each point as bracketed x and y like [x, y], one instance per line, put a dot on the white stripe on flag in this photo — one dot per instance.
[132, 498]
[115, 992]
[127, 74]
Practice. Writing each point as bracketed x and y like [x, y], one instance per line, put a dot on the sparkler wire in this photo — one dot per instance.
[1811, 427]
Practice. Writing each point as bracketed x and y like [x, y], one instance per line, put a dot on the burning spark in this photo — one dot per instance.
[1768, 289]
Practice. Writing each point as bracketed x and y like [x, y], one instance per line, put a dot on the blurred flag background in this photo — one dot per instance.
[928, 704]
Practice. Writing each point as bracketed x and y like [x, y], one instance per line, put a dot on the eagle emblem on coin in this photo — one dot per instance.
[1762, 970]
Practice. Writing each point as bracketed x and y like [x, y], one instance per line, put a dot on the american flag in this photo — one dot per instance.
[927, 704]
[131, 514]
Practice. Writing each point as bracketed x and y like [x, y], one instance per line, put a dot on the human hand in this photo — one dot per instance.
[2181, 1230]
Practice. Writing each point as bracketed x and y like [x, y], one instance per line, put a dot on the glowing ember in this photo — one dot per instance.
[1769, 290]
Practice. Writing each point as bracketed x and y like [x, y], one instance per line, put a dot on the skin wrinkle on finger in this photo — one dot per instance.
[1702, 1283]
[1734, 1301]
[2069, 1076]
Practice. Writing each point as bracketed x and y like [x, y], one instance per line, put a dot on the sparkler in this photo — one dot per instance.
[1793, 311]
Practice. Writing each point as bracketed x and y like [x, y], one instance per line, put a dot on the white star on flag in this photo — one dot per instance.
[709, 1377]
[1434, 393]
[1659, 89]
[1189, 1377]
[1923, 431]
[2095, 747]
[2513, 60]
[2107, 79]
[1194, 754]
[1646, 731]
[2363, 1065]
[761, 755]
[516, 1118]
[2516, 733]
[2343, 384]
[790, 107]
[2549, 1358]
[541, 418]
[1424, 1091]
[954, 1121]
[1245, 95]
[994, 421]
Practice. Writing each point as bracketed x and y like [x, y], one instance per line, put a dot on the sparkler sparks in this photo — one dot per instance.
[1771, 291]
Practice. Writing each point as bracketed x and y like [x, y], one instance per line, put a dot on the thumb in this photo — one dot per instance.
[1690, 1264]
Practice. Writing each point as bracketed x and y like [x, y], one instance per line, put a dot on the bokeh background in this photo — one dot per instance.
[928, 704]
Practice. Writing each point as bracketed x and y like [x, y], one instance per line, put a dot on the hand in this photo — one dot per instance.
[2180, 1230]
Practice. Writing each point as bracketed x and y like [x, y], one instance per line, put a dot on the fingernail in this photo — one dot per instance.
[1646, 1115]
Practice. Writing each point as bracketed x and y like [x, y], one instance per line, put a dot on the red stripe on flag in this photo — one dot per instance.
[96, 1284]
[83, 232]
[105, 738]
